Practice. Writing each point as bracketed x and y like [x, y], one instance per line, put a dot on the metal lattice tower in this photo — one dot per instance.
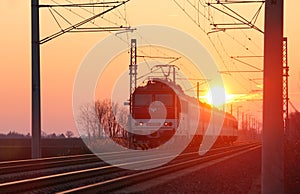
[133, 69]
[285, 84]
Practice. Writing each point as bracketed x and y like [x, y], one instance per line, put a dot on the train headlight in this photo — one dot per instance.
[166, 124]
[139, 124]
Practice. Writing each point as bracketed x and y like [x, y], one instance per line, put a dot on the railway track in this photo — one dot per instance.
[84, 177]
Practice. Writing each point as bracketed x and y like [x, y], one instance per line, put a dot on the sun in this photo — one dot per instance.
[217, 96]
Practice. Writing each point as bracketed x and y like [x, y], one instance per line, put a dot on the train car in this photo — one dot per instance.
[160, 110]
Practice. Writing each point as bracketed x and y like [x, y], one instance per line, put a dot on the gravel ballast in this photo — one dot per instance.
[236, 175]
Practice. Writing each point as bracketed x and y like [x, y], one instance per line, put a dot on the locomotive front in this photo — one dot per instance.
[155, 112]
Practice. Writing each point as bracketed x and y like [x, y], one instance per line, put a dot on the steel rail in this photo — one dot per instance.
[62, 178]
[125, 181]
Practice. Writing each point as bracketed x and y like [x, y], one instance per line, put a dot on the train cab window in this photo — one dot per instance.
[142, 99]
[166, 99]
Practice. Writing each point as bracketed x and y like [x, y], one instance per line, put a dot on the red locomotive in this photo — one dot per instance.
[160, 110]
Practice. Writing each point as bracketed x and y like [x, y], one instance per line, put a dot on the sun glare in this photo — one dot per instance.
[218, 96]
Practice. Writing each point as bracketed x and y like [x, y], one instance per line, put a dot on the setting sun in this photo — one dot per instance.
[218, 96]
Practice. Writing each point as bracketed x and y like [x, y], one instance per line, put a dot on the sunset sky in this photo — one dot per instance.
[62, 57]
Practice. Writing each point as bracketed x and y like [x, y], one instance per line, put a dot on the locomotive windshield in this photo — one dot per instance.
[143, 99]
[166, 99]
[146, 99]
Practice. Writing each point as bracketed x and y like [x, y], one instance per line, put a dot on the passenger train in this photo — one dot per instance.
[160, 110]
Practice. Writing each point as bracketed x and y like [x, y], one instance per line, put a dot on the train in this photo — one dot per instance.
[160, 110]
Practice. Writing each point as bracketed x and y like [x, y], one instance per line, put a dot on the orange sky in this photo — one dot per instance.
[61, 58]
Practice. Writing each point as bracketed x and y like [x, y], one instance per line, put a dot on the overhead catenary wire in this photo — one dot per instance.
[217, 42]
[103, 28]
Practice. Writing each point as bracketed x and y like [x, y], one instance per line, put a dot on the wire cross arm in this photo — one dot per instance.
[240, 20]
[233, 2]
[229, 72]
[158, 57]
[103, 29]
[96, 4]
[76, 27]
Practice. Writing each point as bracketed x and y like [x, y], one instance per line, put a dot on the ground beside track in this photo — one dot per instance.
[235, 175]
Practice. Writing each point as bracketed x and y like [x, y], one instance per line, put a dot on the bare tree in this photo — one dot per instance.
[102, 109]
[69, 134]
[44, 134]
[106, 119]
[122, 118]
[88, 120]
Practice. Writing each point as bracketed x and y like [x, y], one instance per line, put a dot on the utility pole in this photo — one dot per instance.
[238, 115]
[132, 70]
[273, 134]
[243, 121]
[174, 75]
[133, 85]
[247, 122]
[285, 86]
[35, 59]
[35, 85]
[198, 90]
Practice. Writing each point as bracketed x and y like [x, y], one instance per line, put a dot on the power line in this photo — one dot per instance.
[216, 41]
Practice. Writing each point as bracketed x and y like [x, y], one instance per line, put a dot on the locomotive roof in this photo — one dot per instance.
[160, 84]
